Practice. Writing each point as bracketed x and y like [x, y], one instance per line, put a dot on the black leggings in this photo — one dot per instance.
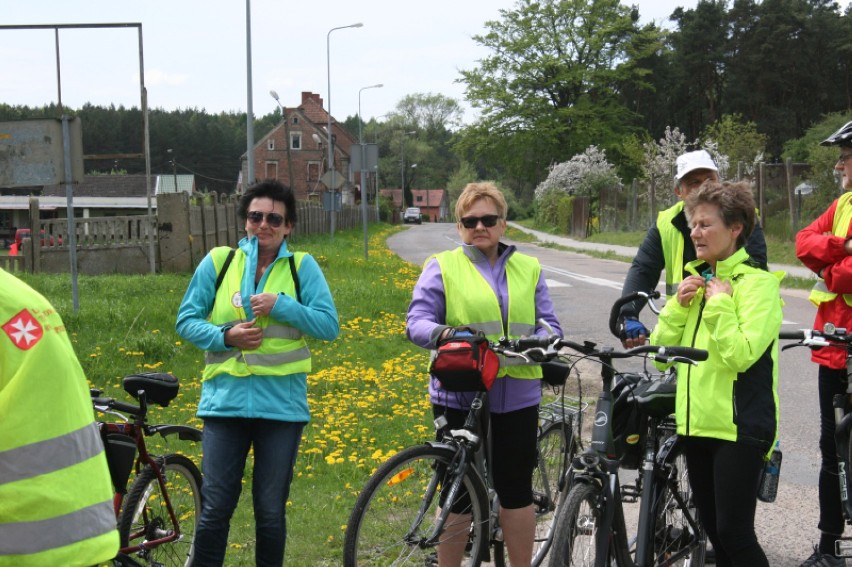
[724, 476]
[513, 451]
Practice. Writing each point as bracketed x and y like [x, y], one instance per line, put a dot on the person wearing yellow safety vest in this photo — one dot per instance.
[55, 489]
[667, 246]
[825, 246]
[250, 312]
[727, 406]
[492, 288]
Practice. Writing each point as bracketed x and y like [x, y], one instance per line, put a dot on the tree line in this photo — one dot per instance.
[560, 76]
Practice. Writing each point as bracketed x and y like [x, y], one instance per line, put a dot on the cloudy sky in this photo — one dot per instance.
[195, 51]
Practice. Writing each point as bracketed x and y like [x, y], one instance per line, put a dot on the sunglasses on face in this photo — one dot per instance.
[487, 221]
[843, 158]
[272, 219]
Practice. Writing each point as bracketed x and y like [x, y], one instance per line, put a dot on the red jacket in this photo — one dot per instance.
[819, 249]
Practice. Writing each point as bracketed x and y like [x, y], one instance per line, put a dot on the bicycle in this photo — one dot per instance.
[157, 517]
[591, 529]
[401, 514]
[834, 337]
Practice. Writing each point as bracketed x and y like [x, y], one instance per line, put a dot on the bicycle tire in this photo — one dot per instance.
[145, 517]
[671, 529]
[387, 509]
[576, 528]
[555, 450]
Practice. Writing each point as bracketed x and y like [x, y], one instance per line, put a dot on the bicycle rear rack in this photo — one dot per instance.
[563, 409]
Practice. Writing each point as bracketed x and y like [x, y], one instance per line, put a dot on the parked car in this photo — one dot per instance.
[412, 214]
[24, 233]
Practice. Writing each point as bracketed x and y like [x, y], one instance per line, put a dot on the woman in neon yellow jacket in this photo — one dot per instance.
[727, 407]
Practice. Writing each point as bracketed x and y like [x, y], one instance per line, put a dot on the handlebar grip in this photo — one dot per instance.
[786, 335]
[532, 342]
[622, 301]
[695, 354]
[118, 405]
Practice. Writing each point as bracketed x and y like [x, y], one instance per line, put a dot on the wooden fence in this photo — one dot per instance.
[182, 231]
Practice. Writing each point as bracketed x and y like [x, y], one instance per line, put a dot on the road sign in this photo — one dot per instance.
[339, 179]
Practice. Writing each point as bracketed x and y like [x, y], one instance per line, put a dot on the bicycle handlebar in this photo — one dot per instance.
[815, 339]
[104, 404]
[615, 312]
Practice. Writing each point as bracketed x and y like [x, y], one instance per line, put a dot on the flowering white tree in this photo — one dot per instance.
[584, 174]
[661, 157]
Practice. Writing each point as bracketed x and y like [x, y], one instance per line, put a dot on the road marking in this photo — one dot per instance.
[584, 278]
[556, 283]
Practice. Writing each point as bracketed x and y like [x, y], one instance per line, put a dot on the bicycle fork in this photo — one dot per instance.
[843, 421]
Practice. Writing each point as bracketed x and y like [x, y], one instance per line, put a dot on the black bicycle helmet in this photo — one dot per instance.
[842, 137]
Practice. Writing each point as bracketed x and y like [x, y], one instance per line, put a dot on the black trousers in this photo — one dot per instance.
[725, 476]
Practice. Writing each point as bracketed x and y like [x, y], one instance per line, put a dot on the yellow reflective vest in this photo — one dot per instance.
[672, 240]
[472, 302]
[55, 488]
[283, 350]
[840, 227]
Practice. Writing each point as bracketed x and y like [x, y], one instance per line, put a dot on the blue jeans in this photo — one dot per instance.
[226, 443]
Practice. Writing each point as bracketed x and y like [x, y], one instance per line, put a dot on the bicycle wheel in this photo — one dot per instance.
[577, 527]
[145, 516]
[672, 530]
[555, 450]
[397, 510]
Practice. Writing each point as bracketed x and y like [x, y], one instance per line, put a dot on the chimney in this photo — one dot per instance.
[309, 96]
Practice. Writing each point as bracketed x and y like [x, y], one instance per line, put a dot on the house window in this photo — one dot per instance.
[295, 140]
[295, 120]
[271, 170]
[270, 144]
[313, 170]
[419, 198]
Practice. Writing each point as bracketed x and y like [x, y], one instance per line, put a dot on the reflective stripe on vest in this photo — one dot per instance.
[840, 227]
[28, 538]
[50, 455]
[522, 274]
[672, 241]
[283, 350]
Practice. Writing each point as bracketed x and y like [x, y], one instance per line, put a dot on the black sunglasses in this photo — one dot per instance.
[487, 221]
[272, 219]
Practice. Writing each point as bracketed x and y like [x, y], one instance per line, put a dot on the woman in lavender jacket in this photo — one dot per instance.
[490, 287]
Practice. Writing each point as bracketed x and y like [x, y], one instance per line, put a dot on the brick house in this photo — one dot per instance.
[295, 152]
[432, 202]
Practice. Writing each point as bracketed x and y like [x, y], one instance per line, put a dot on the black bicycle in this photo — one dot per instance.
[403, 513]
[834, 337]
[591, 529]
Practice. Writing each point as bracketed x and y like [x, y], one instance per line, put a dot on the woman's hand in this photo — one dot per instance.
[262, 303]
[717, 286]
[244, 336]
[688, 288]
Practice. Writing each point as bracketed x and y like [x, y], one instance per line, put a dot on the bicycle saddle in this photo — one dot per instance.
[160, 387]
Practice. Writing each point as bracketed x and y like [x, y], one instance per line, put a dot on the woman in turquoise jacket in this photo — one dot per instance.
[727, 407]
[250, 311]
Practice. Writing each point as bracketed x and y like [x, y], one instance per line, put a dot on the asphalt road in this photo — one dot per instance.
[583, 288]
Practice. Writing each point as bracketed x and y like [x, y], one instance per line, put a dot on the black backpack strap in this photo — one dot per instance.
[295, 274]
[224, 269]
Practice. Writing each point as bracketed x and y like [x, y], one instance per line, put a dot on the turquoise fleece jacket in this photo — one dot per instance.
[282, 398]
[733, 395]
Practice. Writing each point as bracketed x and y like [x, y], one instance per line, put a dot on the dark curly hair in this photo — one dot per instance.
[272, 189]
[735, 202]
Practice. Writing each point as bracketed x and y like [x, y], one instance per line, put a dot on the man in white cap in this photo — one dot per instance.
[668, 246]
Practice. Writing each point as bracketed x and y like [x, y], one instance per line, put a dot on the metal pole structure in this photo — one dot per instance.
[287, 142]
[402, 164]
[364, 184]
[249, 109]
[330, 134]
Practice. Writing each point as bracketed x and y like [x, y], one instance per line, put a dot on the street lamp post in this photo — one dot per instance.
[330, 134]
[174, 167]
[364, 184]
[274, 95]
[402, 163]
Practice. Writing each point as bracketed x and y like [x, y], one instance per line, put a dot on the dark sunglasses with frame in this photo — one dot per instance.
[487, 221]
[272, 219]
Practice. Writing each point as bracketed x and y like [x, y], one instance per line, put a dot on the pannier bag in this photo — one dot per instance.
[634, 400]
[464, 363]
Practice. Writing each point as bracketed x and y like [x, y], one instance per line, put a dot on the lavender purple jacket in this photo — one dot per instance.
[425, 323]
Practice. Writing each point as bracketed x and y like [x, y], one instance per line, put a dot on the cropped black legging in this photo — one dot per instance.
[725, 476]
[513, 451]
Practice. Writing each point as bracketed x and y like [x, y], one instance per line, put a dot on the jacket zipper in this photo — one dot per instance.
[689, 370]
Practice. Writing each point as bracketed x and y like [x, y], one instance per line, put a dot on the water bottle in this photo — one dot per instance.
[768, 489]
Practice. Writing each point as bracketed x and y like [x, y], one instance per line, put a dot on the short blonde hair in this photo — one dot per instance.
[473, 192]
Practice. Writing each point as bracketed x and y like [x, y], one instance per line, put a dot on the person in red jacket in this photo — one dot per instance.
[825, 246]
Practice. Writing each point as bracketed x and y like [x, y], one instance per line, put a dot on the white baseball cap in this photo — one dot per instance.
[691, 161]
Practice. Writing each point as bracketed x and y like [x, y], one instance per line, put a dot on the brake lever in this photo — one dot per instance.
[668, 359]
